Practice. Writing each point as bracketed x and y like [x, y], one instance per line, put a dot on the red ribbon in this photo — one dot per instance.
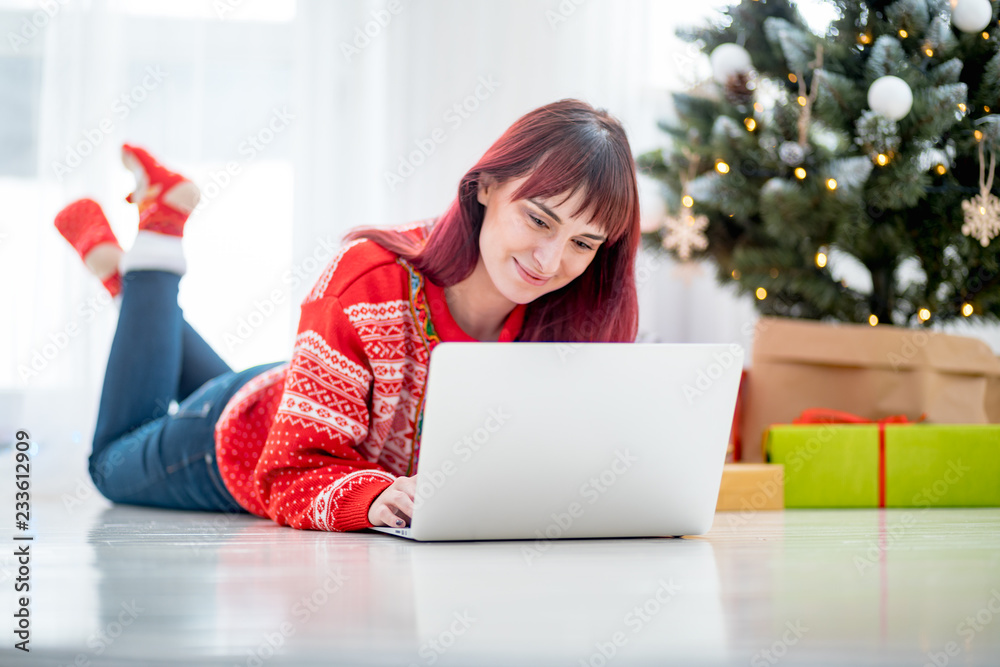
[825, 416]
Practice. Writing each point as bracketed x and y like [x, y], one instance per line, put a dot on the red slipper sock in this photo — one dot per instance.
[113, 283]
[85, 226]
[165, 198]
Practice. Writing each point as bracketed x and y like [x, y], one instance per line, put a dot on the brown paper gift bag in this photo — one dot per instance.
[869, 371]
[993, 398]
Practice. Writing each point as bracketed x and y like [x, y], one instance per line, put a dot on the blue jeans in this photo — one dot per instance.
[142, 454]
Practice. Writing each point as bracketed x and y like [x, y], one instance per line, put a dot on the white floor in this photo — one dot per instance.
[124, 585]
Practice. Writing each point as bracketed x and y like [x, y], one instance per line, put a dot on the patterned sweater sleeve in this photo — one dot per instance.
[311, 474]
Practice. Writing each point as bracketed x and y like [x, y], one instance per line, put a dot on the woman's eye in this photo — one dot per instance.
[540, 223]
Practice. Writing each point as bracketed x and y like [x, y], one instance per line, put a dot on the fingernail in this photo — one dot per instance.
[399, 522]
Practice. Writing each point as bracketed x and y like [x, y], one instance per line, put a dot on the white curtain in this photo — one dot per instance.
[291, 116]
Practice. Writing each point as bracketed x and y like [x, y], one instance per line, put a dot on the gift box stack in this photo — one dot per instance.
[860, 416]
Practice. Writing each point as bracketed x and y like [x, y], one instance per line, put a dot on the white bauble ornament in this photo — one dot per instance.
[727, 60]
[791, 153]
[972, 15]
[891, 97]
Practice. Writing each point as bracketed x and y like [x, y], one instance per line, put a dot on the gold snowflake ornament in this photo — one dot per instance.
[982, 217]
[685, 232]
[982, 212]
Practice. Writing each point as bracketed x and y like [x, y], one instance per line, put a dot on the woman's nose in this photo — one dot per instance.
[547, 256]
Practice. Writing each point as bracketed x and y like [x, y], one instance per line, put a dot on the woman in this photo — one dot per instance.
[539, 245]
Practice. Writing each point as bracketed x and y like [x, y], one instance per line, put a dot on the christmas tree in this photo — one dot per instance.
[867, 150]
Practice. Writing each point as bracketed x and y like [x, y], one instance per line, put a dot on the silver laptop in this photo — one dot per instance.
[544, 441]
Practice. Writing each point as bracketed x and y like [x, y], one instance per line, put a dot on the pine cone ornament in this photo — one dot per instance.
[737, 90]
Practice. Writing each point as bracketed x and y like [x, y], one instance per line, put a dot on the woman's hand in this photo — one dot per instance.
[394, 506]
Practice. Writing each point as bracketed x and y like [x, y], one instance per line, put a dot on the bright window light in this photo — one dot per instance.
[274, 11]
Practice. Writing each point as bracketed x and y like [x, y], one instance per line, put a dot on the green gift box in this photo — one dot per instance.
[888, 465]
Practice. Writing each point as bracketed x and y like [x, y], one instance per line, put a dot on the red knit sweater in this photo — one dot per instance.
[311, 443]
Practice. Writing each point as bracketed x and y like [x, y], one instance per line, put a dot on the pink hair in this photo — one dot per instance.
[565, 145]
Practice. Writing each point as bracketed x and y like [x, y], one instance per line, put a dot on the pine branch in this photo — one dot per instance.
[882, 194]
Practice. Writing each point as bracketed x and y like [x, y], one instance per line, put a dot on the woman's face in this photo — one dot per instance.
[533, 238]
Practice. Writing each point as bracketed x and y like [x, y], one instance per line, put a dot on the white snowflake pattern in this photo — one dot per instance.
[685, 232]
[982, 217]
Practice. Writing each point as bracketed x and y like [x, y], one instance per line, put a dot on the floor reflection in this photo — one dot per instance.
[247, 588]
[587, 600]
[255, 591]
[121, 585]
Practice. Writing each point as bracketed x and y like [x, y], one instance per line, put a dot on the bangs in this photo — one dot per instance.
[609, 196]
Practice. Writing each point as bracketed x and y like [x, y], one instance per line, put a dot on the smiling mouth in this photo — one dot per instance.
[531, 275]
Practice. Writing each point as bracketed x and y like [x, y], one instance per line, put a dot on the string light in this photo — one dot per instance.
[966, 309]
[802, 101]
[761, 293]
[986, 108]
[864, 38]
[961, 107]
[941, 169]
[793, 78]
[929, 51]
[832, 184]
[873, 319]
[979, 135]
[758, 107]
[750, 123]
[903, 34]
[923, 314]
[735, 274]
[882, 159]
[986, 35]
[800, 173]
[821, 259]
[722, 167]
[687, 201]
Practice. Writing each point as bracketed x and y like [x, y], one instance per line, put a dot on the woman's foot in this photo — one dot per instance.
[165, 198]
[85, 226]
